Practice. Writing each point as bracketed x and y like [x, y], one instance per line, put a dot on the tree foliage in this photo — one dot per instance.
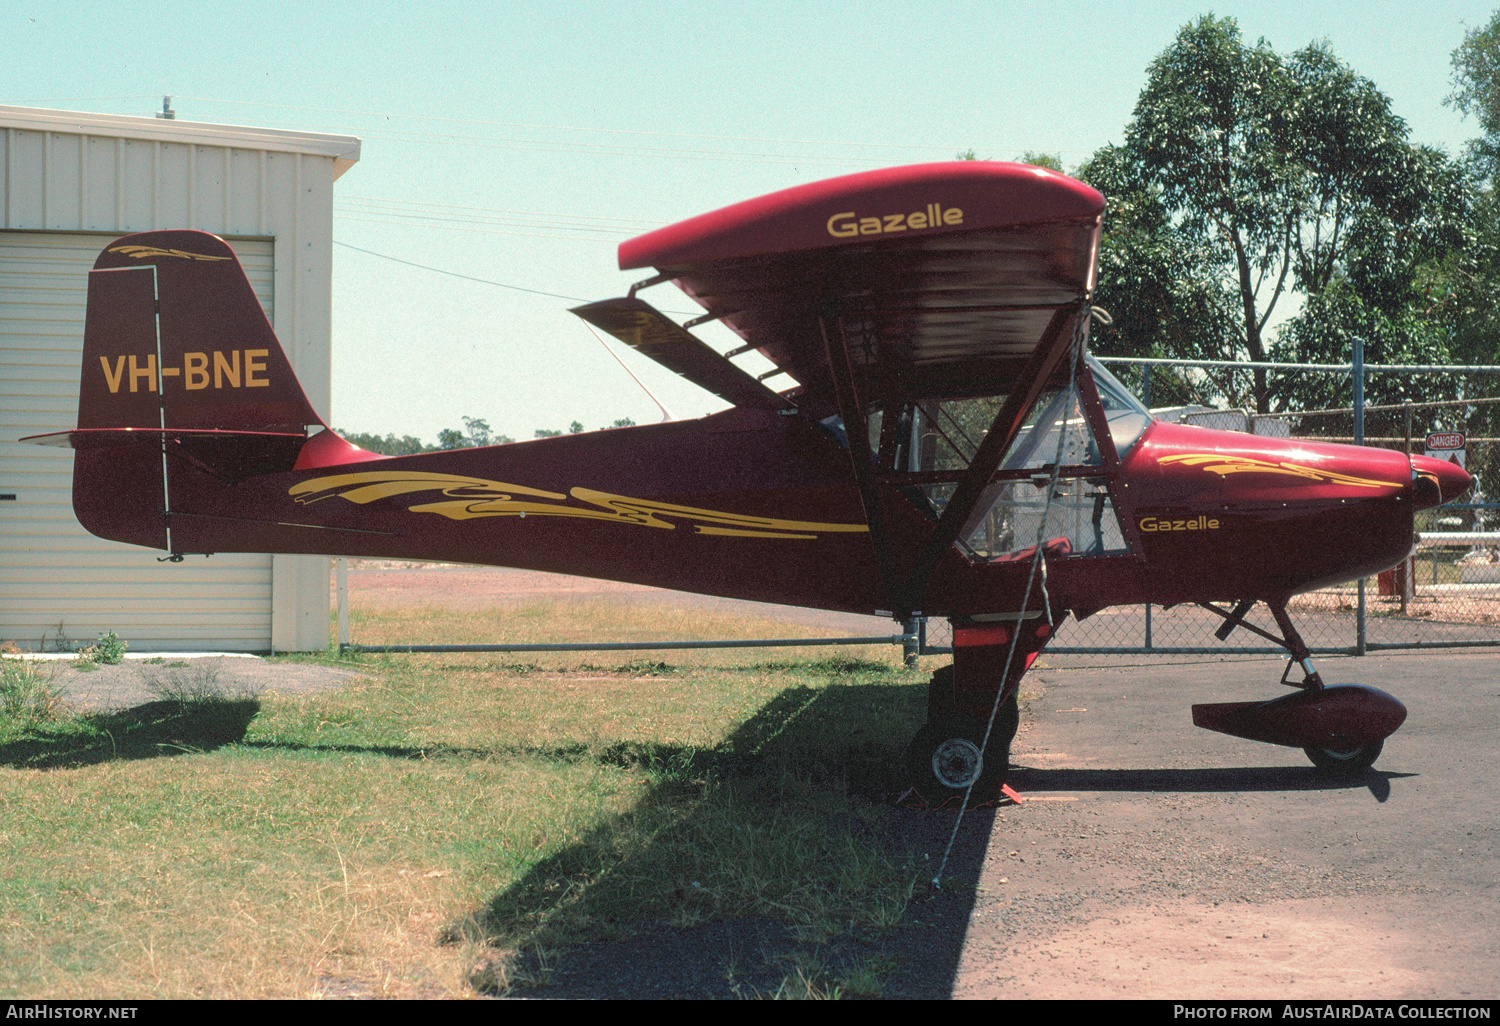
[1247, 178]
[1036, 158]
[1476, 92]
[1467, 284]
[476, 432]
[1160, 284]
[388, 445]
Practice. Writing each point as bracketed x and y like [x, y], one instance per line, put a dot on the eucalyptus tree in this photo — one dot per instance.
[1476, 91]
[1469, 282]
[1249, 181]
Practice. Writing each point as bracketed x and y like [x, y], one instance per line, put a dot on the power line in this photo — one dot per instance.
[455, 274]
[498, 210]
[489, 220]
[569, 128]
[596, 149]
[481, 231]
[93, 99]
[482, 281]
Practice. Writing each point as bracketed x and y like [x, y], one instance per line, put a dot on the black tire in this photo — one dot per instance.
[940, 694]
[1345, 764]
[944, 754]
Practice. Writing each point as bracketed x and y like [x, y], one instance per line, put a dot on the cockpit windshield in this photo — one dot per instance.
[1127, 416]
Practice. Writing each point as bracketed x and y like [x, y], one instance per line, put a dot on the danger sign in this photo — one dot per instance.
[1449, 446]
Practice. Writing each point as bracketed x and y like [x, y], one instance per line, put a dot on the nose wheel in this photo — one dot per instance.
[1346, 763]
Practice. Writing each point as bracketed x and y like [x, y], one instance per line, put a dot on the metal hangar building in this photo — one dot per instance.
[69, 183]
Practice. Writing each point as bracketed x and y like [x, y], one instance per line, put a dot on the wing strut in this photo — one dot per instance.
[857, 433]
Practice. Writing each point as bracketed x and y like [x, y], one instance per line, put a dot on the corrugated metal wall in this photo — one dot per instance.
[271, 195]
[56, 578]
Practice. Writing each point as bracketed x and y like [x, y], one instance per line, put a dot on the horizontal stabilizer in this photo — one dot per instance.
[646, 330]
[230, 456]
[106, 438]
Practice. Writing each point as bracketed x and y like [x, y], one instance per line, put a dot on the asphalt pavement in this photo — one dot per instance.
[1154, 859]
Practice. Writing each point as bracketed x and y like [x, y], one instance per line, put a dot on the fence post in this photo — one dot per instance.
[343, 589]
[912, 646]
[1409, 568]
[1357, 372]
[1148, 626]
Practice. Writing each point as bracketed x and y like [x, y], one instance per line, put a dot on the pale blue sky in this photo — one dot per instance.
[539, 135]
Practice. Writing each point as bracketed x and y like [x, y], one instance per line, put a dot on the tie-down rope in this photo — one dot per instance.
[1038, 558]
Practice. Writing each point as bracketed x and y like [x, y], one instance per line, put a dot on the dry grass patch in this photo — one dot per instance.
[241, 874]
[580, 621]
[27, 691]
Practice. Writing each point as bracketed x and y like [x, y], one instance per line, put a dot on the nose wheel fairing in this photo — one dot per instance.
[1342, 719]
[1341, 728]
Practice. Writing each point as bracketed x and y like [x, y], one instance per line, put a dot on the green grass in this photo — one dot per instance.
[27, 694]
[409, 834]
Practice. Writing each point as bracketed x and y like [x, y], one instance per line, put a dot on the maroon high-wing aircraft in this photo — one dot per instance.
[948, 449]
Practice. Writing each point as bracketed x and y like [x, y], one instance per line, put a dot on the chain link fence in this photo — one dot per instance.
[1447, 594]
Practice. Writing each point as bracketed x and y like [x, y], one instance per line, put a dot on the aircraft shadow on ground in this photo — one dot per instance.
[803, 746]
[1239, 778]
[149, 731]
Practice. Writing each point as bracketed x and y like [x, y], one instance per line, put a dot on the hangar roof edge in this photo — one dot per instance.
[344, 149]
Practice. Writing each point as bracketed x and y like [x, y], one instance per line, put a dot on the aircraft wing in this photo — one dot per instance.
[935, 275]
[647, 330]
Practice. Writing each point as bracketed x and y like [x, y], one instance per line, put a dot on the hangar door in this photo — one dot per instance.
[55, 577]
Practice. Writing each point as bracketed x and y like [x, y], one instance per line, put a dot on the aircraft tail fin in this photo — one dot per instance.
[174, 338]
[180, 368]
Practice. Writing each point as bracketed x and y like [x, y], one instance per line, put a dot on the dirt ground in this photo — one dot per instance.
[136, 681]
[1151, 859]
[376, 584]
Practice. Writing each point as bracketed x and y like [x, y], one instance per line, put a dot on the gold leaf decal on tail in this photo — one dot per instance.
[1215, 463]
[142, 252]
[469, 498]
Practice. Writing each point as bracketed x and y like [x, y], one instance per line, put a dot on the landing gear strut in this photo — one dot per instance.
[948, 754]
[1341, 728]
[945, 756]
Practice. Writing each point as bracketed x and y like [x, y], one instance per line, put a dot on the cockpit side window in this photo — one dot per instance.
[1014, 512]
[924, 446]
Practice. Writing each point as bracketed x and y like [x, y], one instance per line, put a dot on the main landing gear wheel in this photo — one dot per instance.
[1345, 764]
[945, 757]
